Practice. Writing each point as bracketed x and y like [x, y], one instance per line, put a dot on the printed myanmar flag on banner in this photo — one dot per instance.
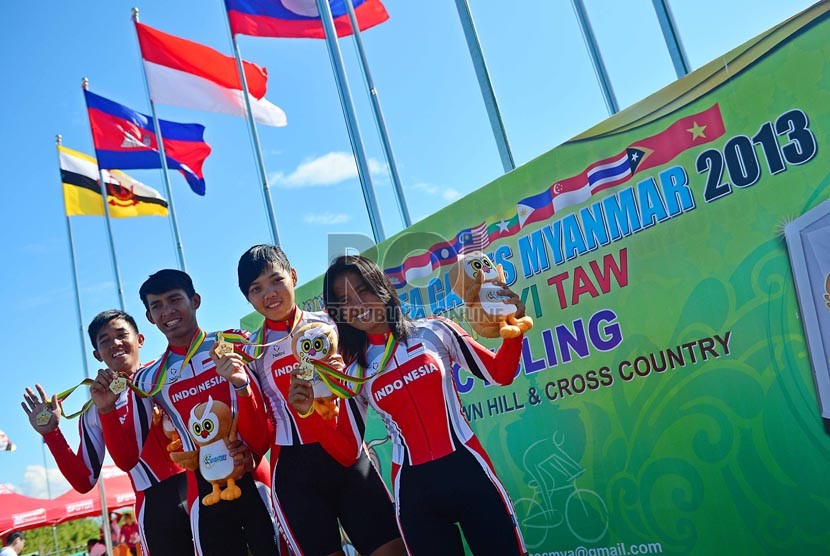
[189, 74]
[299, 18]
[82, 193]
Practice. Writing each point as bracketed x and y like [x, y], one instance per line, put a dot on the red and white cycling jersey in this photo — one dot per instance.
[342, 437]
[184, 389]
[415, 395]
[82, 467]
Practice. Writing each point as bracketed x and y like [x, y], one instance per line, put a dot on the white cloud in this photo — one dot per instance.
[326, 218]
[34, 482]
[330, 169]
[446, 193]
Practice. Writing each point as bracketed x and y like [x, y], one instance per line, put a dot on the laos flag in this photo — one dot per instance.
[299, 18]
[125, 139]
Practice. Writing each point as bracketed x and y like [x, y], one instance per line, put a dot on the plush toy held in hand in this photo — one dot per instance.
[212, 429]
[474, 279]
[316, 342]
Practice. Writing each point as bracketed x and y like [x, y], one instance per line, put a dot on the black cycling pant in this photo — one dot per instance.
[313, 492]
[233, 527]
[437, 497]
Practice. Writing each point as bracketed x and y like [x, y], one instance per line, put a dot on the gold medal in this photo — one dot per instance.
[43, 418]
[306, 370]
[222, 347]
[118, 385]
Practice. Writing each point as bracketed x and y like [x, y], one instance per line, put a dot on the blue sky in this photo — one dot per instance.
[436, 119]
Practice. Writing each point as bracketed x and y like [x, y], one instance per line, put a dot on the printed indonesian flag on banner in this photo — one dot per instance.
[299, 18]
[188, 74]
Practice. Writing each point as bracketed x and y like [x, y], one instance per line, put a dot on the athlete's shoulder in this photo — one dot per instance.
[437, 324]
[317, 317]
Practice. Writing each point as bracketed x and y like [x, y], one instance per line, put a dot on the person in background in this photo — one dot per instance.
[115, 527]
[129, 533]
[96, 547]
[14, 544]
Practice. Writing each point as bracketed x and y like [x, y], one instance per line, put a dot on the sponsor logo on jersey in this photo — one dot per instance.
[398, 383]
[173, 373]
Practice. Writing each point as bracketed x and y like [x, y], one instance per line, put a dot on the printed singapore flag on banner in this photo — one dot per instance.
[188, 74]
[125, 139]
[299, 18]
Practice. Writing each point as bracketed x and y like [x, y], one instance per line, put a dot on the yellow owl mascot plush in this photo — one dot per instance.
[473, 279]
[316, 341]
[212, 428]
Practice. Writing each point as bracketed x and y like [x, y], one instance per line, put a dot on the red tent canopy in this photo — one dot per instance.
[18, 512]
[74, 505]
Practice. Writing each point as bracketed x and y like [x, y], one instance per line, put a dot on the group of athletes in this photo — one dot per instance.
[319, 477]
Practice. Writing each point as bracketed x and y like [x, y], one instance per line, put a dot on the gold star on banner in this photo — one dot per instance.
[697, 131]
[523, 212]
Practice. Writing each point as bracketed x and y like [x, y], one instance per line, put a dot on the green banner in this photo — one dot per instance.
[665, 401]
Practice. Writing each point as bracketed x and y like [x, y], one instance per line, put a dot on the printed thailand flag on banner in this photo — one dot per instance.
[299, 18]
[188, 74]
[125, 139]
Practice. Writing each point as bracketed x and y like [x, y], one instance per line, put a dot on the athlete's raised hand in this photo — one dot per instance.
[300, 394]
[102, 396]
[232, 367]
[37, 408]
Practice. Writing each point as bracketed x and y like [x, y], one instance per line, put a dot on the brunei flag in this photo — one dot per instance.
[82, 193]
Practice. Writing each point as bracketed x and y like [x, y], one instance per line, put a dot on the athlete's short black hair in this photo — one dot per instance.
[255, 260]
[103, 318]
[164, 281]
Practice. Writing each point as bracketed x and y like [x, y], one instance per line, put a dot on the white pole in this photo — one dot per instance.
[485, 84]
[379, 119]
[672, 37]
[103, 183]
[351, 120]
[164, 170]
[263, 175]
[596, 57]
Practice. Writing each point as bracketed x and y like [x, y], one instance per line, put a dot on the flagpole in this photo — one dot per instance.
[379, 119]
[670, 34]
[103, 183]
[351, 120]
[485, 84]
[596, 57]
[263, 175]
[101, 491]
[164, 170]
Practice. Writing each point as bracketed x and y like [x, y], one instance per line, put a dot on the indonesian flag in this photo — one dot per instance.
[188, 74]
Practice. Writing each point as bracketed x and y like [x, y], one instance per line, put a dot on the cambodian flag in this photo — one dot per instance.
[299, 18]
[125, 139]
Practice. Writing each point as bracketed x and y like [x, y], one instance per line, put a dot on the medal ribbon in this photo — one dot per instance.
[161, 377]
[335, 379]
[66, 393]
[258, 341]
